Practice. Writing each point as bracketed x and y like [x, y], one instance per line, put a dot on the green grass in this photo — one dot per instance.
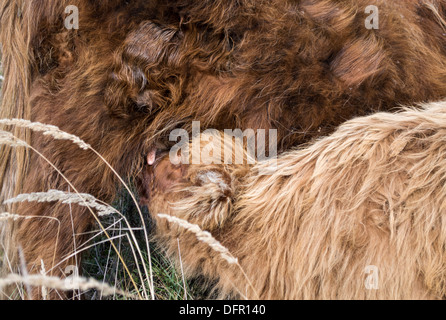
[101, 262]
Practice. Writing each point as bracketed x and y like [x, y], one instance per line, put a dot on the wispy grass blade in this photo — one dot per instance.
[202, 236]
[83, 199]
[11, 139]
[74, 283]
[56, 133]
[46, 129]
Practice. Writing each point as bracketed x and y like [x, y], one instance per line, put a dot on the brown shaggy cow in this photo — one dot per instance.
[135, 70]
[371, 195]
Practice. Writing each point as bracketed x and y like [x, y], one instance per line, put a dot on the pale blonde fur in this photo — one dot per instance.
[371, 194]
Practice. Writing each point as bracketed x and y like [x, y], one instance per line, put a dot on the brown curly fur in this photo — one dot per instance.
[137, 69]
[372, 193]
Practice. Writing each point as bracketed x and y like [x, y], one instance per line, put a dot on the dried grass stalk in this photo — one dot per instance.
[43, 273]
[82, 199]
[5, 216]
[9, 139]
[72, 283]
[202, 236]
[46, 129]
[56, 133]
